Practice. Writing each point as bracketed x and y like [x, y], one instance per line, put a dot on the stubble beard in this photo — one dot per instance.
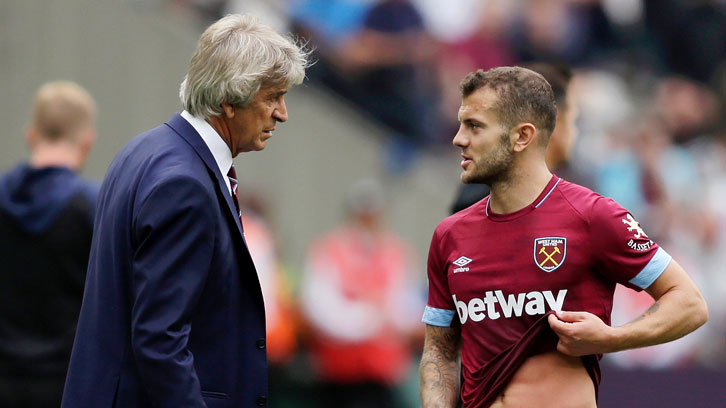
[494, 168]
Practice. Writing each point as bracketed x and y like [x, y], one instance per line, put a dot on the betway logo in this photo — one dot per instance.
[531, 303]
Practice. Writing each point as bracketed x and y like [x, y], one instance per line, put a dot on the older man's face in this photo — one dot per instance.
[251, 126]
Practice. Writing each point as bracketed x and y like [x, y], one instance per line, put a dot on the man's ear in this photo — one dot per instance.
[31, 136]
[228, 110]
[525, 135]
[87, 139]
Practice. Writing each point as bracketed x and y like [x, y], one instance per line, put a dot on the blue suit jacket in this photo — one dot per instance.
[172, 313]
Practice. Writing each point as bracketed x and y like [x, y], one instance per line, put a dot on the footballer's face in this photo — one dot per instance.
[250, 127]
[486, 150]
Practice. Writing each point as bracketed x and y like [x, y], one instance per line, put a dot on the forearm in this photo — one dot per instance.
[439, 371]
[675, 314]
[439, 381]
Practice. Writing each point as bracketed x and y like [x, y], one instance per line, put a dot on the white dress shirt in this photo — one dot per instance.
[218, 147]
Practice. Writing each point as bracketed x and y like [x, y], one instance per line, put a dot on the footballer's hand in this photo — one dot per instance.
[581, 333]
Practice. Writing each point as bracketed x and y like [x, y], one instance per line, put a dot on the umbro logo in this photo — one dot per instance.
[461, 262]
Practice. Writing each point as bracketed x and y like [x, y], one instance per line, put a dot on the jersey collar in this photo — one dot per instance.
[554, 181]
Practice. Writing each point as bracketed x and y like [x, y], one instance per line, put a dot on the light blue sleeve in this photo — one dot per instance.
[437, 317]
[658, 263]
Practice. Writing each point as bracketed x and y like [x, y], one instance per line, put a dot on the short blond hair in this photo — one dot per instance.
[62, 110]
[235, 56]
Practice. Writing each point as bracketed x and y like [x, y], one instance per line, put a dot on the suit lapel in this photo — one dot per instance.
[187, 132]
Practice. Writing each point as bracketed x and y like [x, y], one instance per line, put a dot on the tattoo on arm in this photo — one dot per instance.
[439, 371]
[652, 309]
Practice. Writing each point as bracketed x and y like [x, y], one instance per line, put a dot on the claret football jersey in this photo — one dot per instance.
[495, 275]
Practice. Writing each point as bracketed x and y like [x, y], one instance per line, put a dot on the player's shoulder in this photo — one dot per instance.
[586, 201]
[580, 198]
[461, 219]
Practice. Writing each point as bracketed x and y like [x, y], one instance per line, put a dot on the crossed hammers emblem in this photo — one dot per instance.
[549, 255]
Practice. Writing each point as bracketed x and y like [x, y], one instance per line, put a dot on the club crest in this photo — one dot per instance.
[549, 252]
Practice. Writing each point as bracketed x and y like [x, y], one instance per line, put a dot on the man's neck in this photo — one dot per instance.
[220, 126]
[523, 186]
[57, 155]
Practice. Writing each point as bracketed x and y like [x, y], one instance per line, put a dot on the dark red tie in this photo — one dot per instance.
[232, 176]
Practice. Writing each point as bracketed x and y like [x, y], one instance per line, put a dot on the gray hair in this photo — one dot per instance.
[235, 57]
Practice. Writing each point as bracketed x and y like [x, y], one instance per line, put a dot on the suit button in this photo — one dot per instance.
[260, 344]
[261, 401]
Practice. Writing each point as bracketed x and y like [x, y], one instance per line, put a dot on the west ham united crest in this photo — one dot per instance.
[549, 252]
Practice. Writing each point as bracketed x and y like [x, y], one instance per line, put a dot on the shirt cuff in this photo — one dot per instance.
[437, 317]
[653, 270]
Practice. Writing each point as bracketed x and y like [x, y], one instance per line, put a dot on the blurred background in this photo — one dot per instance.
[364, 170]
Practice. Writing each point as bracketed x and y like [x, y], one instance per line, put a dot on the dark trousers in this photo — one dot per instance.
[363, 395]
[44, 392]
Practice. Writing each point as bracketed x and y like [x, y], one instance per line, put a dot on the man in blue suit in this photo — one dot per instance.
[172, 313]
